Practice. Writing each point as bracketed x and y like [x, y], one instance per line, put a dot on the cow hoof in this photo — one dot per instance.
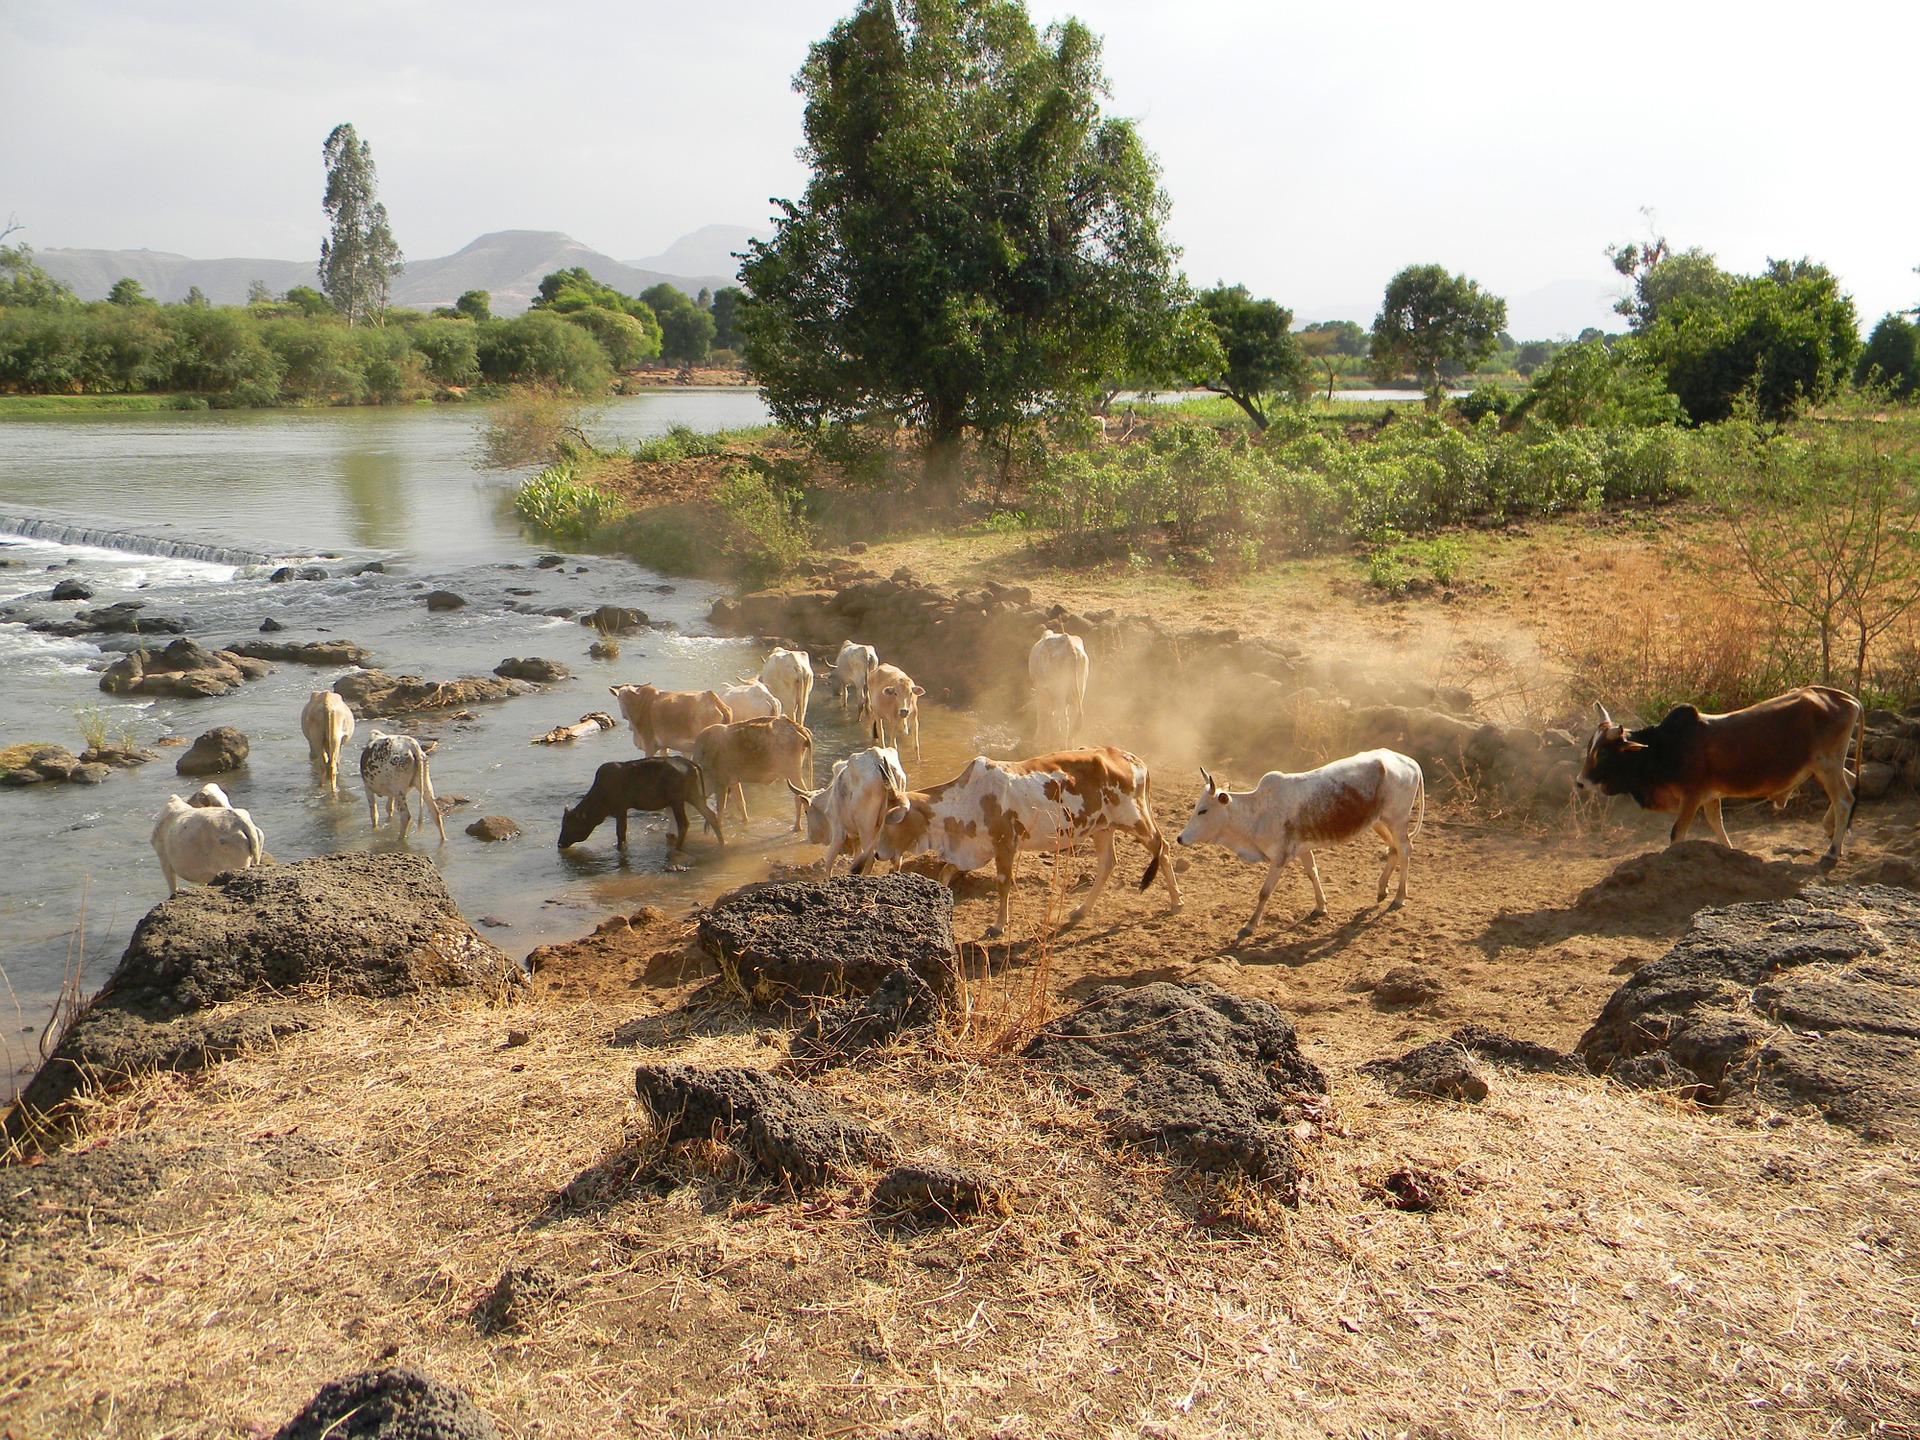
[1316, 914]
[1245, 933]
[1396, 904]
[1076, 917]
[1827, 862]
[992, 932]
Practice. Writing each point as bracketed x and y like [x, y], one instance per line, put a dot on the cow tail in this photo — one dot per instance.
[1420, 799]
[1859, 743]
[1159, 840]
[431, 800]
[256, 843]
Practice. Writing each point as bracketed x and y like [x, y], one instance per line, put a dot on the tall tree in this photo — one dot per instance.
[23, 282]
[976, 240]
[686, 331]
[1259, 359]
[726, 315]
[1428, 319]
[359, 257]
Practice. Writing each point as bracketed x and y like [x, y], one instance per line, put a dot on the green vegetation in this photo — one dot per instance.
[359, 257]
[559, 504]
[1430, 320]
[1256, 360]
[1891, 358]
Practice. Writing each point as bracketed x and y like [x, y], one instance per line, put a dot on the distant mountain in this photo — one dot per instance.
[710, 249]
[509, 264]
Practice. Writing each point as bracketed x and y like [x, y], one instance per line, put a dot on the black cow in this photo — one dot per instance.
[665, 782]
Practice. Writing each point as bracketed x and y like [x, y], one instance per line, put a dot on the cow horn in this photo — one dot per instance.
[1207, 778]
[1605, 719]
[806, 795]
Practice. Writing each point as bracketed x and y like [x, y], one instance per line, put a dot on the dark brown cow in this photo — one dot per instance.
[666, 782]
[1691, 761]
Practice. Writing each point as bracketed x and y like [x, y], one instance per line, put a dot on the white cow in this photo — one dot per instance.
[390, 766]
[852, 669]
[203, 837]
[894, 702]
[994, 809]
[849, 814]
[750, 700]
[1287, 815]
[789, 675]
[328, 724]
[1057, 666]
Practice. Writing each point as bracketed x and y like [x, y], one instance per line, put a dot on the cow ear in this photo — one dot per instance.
[1224, 798]
[919, 689]
[897, 814]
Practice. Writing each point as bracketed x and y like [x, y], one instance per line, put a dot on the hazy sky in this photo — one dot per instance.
[1310, 149]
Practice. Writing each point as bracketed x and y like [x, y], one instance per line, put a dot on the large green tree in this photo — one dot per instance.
[23, 282]
[976, 240]
[686, 330]
[1891, 358]
[359, 257]
[1429, 319]
[1259, 359]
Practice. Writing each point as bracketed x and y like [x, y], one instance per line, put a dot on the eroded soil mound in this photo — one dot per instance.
[1670, 884]
[396, 1403]
[373, 925]
[828, 938]
[789, 1130]
[1804, 1004]
[1211, 1077]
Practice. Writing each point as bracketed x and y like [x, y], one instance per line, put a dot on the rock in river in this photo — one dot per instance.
[183, 670]
[219, 750]
[373, 925]
[494, 827]
[309, 652]
[73, 590]
[376, 693]
[532, 667]
[438, 600]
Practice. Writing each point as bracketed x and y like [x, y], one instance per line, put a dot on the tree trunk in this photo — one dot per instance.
[1434, 392]
[1254, 413]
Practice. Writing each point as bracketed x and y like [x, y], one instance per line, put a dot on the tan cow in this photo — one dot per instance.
[894, 701]
[668, 719]
[994, 809]
[754, 752]
[328, 724]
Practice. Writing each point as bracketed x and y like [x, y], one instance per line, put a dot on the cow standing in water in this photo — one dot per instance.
[1287, 815]
[1057, 668]
[668, 719]
[1690, 762]
[894, 702]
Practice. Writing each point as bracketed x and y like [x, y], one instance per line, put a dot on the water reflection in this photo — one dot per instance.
[373, 486]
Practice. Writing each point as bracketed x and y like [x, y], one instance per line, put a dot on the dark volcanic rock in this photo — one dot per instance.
[310, 652]
[1804, 1004]
[270, 626]
[532, 667]
[494, 827]
[1209, 1076]
[183, 670]
[785, 1128]
[615, 620]
[902, 1001]
[73, 590]
[376, 693]
[125, 618]
[937, 1192]
[1440, 1071]
[221, 749]
[396, 1403]
[811, 938]
[374, 925]
[1409, 985]
[438, 600]
[1515, 1054]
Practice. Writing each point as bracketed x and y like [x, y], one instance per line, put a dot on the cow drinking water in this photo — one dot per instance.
[1690, 762]
[1287, 815]
[667, 782]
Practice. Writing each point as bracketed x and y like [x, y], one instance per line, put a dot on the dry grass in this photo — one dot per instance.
[1596, 1264]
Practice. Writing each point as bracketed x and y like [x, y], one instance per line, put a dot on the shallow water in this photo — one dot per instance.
[399, 486]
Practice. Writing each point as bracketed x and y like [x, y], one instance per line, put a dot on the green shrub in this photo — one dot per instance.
[558, 504]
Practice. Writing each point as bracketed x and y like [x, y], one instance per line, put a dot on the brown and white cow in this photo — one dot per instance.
[1057, 668]
[754, 752]
[328, 724]
[894, 702]
[994, 809]
[849, 814]
[1691, 762]
[1288, 814]
[668, 719]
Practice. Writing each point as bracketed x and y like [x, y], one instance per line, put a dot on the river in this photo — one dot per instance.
[189, 512]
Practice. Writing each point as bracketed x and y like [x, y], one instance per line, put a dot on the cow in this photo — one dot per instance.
[1691, 762]
[668, 719]
[1289, 814]
[390, 766]
[205, 836]
[668, 782]
[753, 752]
[994, 809]
[894, 702]
[852, 670]
[328, 724]
[1057, 667]
[789, 675]
[749, 700]
[849, 814]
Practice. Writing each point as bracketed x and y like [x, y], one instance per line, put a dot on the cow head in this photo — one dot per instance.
[1613, 763]
[575, 825]
[900, 699]
[1212, 814]
[819, 829]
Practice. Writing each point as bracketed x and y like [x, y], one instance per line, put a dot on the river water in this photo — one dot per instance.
[189, 513]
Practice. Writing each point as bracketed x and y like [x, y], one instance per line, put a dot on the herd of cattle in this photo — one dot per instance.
[755, 733]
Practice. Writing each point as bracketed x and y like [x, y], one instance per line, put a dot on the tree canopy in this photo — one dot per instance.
[1428, 320]
[686, 330]
[23, 282]
[976, 239]
[1258, 358]
[1891, 358]
[359, 257]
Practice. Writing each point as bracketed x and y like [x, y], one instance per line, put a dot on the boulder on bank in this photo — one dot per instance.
[901, 1002]
[373, 925]
[30, 764]
[788, 1129]
[375, 693]
[533, 668]
[808, 939]
[184, 670]
[219, 750]
[1807, 1004]
[309, 652]
[394, 1403]
[1210, 1077]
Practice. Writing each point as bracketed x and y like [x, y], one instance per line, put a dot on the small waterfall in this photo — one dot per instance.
[61, 532]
